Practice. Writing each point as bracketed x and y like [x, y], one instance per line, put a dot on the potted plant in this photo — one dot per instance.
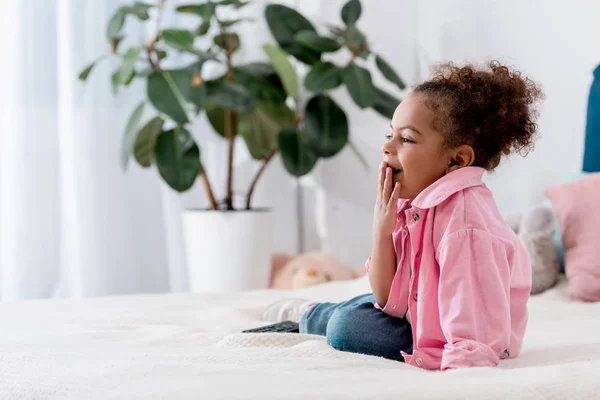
[257, 102]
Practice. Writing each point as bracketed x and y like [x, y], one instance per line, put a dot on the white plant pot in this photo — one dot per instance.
[228, 251]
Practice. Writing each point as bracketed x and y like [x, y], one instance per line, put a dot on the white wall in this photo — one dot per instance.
[556, 42]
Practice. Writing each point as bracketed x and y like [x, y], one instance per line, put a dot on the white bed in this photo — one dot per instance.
[188, 347]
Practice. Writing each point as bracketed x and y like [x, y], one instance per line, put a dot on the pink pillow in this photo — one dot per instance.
[577, 208]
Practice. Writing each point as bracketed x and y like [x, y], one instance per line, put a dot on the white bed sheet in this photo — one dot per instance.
[187, 346]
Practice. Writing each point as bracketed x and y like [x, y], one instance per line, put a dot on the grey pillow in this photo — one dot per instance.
[535, 230]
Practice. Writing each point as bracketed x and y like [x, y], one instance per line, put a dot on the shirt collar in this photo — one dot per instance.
[448, 185]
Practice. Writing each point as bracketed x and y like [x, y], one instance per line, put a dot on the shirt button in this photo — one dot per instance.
[415, 217]
[415, 296]
[419, 362]
[418, 254]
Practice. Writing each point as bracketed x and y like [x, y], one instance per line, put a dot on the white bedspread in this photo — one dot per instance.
[188, 347]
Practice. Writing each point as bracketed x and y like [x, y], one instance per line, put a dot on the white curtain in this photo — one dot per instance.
[72, 224]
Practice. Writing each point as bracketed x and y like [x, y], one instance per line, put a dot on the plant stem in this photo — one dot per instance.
[354, 55]
[207, 188]
[230, 126]
[262, 168]
[150, 49]
[230, 122]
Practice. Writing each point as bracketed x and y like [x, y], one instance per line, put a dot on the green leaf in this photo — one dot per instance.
[140, 5]
[83, 75]
[205, 10]
[178, 38]
[229, 95]
[115, 24]
[232, 22]
[130, 132]
[196, 67]
[226, 41]
[360, 86]
[144, 73]
[139, 9]
[257, 69]
[301, 53]
[195, 91]
[114, 43]
[284, 23]
[117, 21]
[228, 2]
[172, 93]
[261, 127]
[351, 12]
[355, 40]
[325, 126]
[385, 103]
[115, 81]
[202, 57]
[261, 80]
[161, 54]
[312, 40]
[337, 32]
[216, 117]
[130, 78]
[323, 76]
[127, 67]
[241, 4]
[297, 156]
[389, 73]
[178, 158]
[284, 69]
[203, 28]
[143, 148]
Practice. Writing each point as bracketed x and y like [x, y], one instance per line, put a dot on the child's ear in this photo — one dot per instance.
[462, 156]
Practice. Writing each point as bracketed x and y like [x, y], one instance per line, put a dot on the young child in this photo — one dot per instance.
[450, 279]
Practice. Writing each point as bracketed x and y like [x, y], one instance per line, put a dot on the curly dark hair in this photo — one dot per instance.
[490, 108]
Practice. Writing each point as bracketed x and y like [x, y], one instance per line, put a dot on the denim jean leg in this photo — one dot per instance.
[365, 329]
[315, 320]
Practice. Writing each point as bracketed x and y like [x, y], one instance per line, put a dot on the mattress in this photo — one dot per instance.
[189, 346]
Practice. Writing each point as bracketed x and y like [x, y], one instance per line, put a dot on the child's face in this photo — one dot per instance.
[414, 149]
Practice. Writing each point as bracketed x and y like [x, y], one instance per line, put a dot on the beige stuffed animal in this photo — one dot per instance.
[294, 272]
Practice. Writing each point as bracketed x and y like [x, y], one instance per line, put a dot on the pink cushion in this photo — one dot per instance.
[577, 208]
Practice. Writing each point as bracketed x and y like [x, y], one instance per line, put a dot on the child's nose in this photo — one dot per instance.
[386, 149]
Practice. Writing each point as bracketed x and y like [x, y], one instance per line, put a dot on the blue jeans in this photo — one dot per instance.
[356, 326]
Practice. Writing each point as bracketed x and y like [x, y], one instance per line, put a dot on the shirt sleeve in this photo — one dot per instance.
[474, 299]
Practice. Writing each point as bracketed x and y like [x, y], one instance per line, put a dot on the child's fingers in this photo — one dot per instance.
[387, 185]
[381, 180]
[395, 195]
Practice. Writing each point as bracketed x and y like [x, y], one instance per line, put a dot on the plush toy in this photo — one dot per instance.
[535, 229]
[294, 272]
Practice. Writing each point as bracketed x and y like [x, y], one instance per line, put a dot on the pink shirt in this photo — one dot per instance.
[462, 274]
